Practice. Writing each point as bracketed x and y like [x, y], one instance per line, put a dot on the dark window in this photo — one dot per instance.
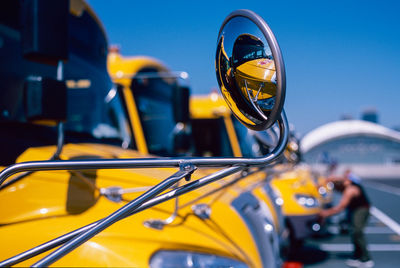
[153, 97]
[89, 41]
[9, 13]
[17, 137]
[246, 49]
[94, 118]
[92, 115]
[211, 138]
[248, 144]
[249, 52]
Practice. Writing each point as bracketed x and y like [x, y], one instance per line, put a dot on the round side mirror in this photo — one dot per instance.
[250, 69]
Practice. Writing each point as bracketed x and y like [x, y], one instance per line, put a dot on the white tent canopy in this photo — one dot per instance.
[345, 128]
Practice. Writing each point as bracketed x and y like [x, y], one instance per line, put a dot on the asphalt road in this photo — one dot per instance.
[382, 232]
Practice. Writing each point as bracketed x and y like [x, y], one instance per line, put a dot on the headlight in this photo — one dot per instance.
[307, 200]
[172, 259]
[330, 186]
[322, 191]
[279, 201]
[276, 195]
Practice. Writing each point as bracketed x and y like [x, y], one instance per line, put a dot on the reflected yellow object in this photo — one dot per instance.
[224, 76]
[257, 77]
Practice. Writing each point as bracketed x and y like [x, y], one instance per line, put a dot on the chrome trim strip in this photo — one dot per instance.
[152, 162]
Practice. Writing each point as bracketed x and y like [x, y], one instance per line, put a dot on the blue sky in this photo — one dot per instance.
[341, 56]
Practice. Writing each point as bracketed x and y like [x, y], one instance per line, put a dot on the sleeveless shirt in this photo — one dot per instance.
[360, 200]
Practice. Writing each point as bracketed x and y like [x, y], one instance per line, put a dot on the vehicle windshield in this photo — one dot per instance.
[247, 52]
[248, 144]
[95, 116]
[94, 106]
[153, 97]
[94, 110]
[211, 138]
[246, 49]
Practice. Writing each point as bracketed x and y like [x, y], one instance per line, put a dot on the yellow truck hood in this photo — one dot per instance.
[51, 203]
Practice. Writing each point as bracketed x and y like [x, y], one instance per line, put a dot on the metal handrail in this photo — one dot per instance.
[146, 200]
[153, 202]
[151, 162]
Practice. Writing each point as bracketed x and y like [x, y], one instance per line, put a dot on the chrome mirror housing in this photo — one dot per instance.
[250, 69]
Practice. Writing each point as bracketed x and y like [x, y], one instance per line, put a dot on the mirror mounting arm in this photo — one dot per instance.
[189, 168]
[253, 101]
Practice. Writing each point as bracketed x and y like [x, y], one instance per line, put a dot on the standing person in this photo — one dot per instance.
[348, 174]
[355, 200]
[346, 221]
[353, 177]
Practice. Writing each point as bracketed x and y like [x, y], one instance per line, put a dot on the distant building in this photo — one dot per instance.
[370, 148]
[370, 115]
[346, 117]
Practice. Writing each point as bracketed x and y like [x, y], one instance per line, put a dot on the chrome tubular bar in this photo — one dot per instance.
[185, 170]
[153, 202]
[149, 75]
[152, 162]
[237, 163]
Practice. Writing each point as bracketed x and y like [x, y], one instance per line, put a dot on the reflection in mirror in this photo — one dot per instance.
[246, 72]
[254, 71]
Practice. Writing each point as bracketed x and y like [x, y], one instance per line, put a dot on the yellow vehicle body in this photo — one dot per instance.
[46, 204]
[49, 204]
[212, 107]
[290, 186]
[296, 181]
[301, 201]
[123, 70]
[206, 111]
[325, 189]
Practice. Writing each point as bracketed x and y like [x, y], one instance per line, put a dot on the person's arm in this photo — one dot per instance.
[347, 195]
[334, 178]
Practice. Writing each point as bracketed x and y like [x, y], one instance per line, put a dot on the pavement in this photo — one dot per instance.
[332, 248]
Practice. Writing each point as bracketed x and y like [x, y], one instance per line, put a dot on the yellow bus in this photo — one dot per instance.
[52, 207]
[97, 197]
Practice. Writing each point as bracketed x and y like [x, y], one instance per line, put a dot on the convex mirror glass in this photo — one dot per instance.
[250, 69]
